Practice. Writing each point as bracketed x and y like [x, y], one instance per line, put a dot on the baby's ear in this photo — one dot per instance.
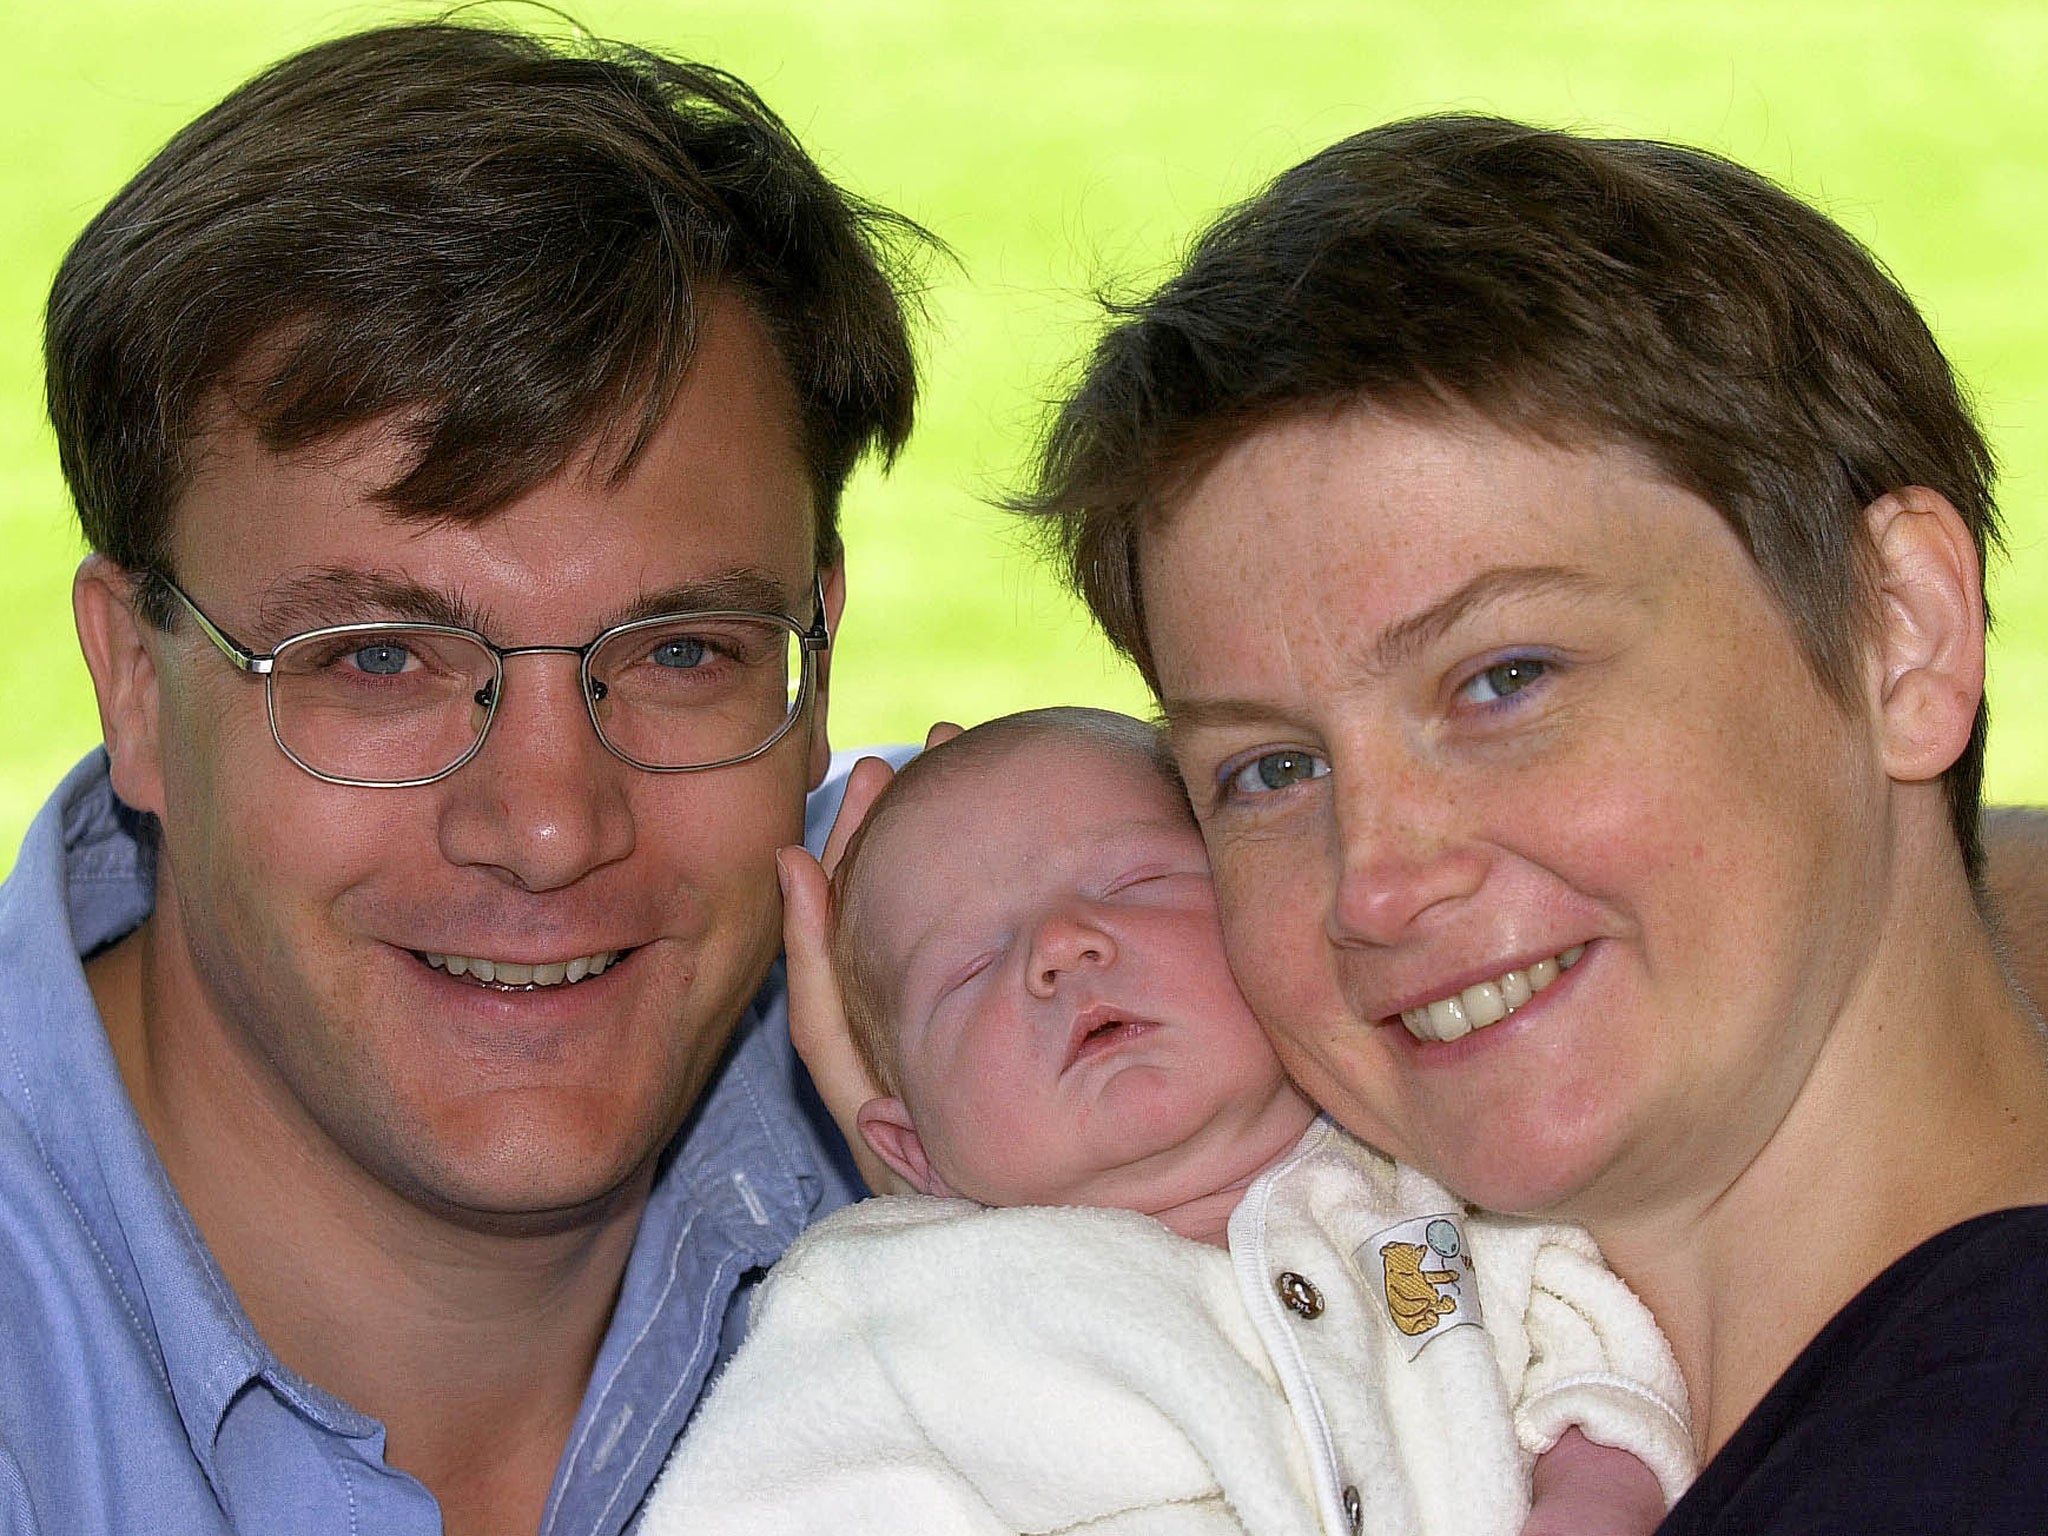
[886, 1127]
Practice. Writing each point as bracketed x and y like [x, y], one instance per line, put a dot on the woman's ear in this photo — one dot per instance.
[886, 1127]
[124, 679]
[1929, 647]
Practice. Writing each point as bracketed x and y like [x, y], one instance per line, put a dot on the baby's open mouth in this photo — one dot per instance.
[1103, 1029]
[519, 976]
[1486, 1002]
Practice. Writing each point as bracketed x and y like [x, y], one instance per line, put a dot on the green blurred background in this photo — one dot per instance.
[1067, 144]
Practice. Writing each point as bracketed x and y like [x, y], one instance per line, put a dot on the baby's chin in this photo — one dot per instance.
[1227, 1167]
[1200, 1177]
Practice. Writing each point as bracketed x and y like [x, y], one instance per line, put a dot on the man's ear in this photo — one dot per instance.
[1929, 652]
[834, 578]
[885, 1126]
[124, 679]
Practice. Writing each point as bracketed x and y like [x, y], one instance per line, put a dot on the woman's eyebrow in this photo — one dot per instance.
[1181, 715]
[1400, 641]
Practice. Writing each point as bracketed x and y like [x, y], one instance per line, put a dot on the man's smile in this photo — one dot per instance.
[514, 975]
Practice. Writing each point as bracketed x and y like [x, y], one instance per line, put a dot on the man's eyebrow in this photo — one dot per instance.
[341, 595]
[344, 595]
[744, 589]
[1400, 640]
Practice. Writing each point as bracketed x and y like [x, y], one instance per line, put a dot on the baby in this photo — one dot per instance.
[1150, 1290]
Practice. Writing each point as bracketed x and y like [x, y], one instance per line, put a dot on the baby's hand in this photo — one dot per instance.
[1581, 1488]
[817, 1014]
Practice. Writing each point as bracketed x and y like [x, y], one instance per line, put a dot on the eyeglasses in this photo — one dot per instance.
[395, 704]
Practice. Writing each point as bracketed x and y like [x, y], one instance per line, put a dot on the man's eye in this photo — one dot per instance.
[382, 659]
[680, 652]
[1275, 770]
[1503, 680]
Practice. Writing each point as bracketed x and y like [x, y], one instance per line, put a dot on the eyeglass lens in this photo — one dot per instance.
[388, 705]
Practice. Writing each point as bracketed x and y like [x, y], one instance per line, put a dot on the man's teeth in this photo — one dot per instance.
[509, 973]
[1488, 1002]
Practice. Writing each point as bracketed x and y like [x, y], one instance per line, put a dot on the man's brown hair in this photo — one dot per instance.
[1583, 291]
[497, 241]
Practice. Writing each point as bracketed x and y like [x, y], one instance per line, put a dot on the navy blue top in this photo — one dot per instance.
[134, 1394]
[1921, 1407]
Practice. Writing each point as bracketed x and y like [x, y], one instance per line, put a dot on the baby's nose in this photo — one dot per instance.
[1064, 943]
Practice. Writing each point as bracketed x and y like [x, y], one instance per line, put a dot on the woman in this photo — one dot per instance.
[1543, 544]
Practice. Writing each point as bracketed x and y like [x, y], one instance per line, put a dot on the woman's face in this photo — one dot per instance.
[1452, 706]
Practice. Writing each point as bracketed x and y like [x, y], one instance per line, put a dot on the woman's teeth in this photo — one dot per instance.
[507, 973]
[1454, 1017]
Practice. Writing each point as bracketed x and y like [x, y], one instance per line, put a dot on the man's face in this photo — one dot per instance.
[298, 914]
[1068, 1032]
[1454, 707]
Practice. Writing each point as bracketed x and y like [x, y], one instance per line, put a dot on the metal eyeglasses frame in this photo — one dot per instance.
[814, 640]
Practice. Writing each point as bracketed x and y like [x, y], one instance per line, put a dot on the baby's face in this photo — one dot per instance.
[1067, 1030]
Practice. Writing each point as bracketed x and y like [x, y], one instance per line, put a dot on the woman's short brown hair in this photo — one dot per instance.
[1584, 291]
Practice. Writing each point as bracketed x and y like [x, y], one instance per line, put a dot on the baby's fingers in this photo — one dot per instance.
[864, 785]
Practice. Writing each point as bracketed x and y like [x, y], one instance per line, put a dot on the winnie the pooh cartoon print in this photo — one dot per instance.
[1413, 1300]
[1422, 1272]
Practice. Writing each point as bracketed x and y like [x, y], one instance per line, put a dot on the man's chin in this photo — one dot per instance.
[532, 1161]
[529, 1107]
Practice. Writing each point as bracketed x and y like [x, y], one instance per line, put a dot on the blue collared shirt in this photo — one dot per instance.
[135, 1396]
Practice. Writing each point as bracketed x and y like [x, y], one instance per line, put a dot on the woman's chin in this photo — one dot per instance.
[1539, 1161]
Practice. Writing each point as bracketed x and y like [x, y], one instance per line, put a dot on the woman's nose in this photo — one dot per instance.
[1400, 851]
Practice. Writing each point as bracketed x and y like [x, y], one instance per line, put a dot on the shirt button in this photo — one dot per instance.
[1354, 1510]
[1298, 1295]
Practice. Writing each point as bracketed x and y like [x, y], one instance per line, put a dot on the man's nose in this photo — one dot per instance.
[1401, 850]
[1065, 942]
[543, 802]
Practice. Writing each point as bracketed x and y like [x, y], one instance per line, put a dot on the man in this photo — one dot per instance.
[394, 1115]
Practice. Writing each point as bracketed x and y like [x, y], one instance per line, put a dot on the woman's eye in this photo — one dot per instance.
[1275, 770]
[1503, 680]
